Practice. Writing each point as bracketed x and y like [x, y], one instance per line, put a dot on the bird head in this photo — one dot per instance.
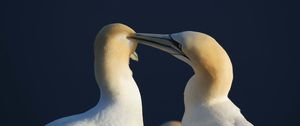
[112, 40]
[199, 50]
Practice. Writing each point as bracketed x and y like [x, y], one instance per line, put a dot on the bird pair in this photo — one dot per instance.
[205, 95]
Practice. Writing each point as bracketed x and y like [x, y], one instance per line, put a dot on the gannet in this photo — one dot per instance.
[172, 123]
[206, 93]
[120, 102]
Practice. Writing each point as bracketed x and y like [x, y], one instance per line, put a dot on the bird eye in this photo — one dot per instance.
[175, 43]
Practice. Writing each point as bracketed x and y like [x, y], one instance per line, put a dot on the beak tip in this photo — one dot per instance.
[134, 57]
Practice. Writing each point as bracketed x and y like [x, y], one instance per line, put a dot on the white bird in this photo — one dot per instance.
[120, 102]
[206, 93]
[172, 123]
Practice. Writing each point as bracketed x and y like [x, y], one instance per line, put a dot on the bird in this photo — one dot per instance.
[172, 123]
[206, 100]
[120, 101]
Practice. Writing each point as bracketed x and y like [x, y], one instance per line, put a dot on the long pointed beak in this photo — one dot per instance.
[164, 42]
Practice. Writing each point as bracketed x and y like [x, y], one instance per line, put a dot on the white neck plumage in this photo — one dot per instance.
[207, 86]
[114, 79]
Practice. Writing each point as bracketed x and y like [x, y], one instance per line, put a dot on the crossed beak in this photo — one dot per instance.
[164, 42]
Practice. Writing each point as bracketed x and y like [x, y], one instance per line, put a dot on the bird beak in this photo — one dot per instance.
[134, 56]
[164, 42]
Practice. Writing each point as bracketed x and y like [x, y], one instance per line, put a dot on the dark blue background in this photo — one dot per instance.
[46, 56]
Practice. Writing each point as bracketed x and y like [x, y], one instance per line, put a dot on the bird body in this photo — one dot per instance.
[222, 113]
[120, 102]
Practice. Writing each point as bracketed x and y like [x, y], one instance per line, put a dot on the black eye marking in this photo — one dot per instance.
[177, 45]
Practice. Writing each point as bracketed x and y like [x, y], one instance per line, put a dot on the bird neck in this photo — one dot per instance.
[209, 83]
[114, 77]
